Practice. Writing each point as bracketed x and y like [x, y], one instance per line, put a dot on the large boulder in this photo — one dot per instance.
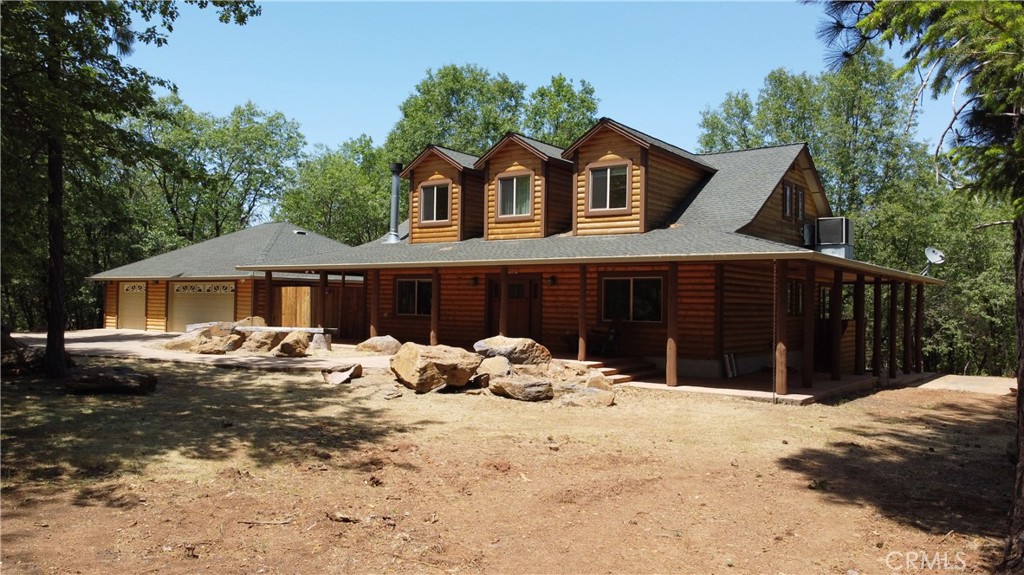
[522, 388]
[212, 346]
[262, 341]
[518, 350]
[495, 366]
[189, 340]
[294, 344]
[424, 368]
[384, 344]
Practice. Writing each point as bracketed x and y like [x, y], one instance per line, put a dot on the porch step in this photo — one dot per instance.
[628, 369]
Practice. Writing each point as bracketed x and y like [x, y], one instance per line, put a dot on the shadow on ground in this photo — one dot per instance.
[942, 468]
[197, 412]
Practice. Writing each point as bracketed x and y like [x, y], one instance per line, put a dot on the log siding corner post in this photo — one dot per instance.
[908, 340]
[672, 326]
[435, 305]
[918, 331]
[807, 355]
[268, 278]
[836, 319]
[374, 303]
[859, 347]
[581, 325]
[781, 298]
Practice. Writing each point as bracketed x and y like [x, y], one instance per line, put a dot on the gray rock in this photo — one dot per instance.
[424, 368]
[523, 389]
[518, 350]
[495, 366]
[384, 344]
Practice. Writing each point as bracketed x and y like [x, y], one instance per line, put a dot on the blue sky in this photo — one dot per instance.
[341, 69]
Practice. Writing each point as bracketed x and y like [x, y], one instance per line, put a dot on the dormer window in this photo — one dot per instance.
[515, 195]
[434, 203]
[609, 188]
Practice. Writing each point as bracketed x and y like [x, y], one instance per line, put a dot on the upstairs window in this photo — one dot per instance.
[631, 299]
[609, 188]
[412, 296]
[799, 204]
[515, 196]
[434, 202]
[787, 200]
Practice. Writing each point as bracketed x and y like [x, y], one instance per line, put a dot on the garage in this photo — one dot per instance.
[200, 302]
[131, 305]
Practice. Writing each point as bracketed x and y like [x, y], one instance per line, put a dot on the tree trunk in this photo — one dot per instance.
[1013, 556]
[56, 364]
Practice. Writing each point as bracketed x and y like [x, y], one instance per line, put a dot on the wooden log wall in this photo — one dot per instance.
[669, 181]
[559, 198]
[156, 306]
[604, 146]
[473, 199]
[243, 299]
[110, 304]
[512, 160]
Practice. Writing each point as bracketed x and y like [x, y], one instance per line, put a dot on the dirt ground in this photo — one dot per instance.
[238, 471]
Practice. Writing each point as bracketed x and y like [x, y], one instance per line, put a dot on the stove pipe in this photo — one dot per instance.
[396, 181]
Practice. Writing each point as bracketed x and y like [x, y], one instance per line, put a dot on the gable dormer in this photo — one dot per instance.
[528, 188]
[627, 181]
[445, 196]
[798, 198]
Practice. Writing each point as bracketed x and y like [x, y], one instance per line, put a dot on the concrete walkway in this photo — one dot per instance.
[973, 384]
[144, 345]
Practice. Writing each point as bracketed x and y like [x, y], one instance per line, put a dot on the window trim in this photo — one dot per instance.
[419, 199]
[788, 190]
[512, 174]
[643, 275]
[415, 280]
[799, 199]
[607, 164]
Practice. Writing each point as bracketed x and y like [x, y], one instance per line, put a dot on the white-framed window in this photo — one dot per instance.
[609, 187]
[515, 195]
[413, 296]
[434, 202]
[636, 299]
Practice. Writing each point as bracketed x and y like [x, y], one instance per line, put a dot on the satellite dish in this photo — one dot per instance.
[934, 257]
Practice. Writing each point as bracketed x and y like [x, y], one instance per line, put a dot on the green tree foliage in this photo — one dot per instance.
[343, 194]
[559, 113]
[65, 91]
[974, 50]
[224, 173]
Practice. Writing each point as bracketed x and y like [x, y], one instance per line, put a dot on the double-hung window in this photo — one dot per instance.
[631, 299]
[787, 200]
[434, 203]
[515, 195]
[799, 207]
[609, 188]
[413, 296]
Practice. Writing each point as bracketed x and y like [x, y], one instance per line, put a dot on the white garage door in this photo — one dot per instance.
[131, 305]
[200, 302]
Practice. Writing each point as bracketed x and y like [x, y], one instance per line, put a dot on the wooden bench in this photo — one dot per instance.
[274, 329]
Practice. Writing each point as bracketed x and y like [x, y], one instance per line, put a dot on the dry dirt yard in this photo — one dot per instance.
[236, 471]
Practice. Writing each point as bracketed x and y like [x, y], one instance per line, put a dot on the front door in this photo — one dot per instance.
[523, 306]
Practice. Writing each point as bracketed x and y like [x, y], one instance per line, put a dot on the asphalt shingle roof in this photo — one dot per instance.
[463, 159]
[218, 257]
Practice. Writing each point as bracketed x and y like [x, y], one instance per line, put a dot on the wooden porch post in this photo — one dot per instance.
[374, 303]
[781, 367]
[876, 330]
[341, 303]
[269, 284]
[435, 305]
[672, 326]
[908, 341]
[581, 325]
[503, 301]
[918, 331]
[321, 308]
[893, 296]
[859, 351]
[807, 359]
[836, 304]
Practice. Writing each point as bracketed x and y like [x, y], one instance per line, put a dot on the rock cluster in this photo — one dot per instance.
[222, 337]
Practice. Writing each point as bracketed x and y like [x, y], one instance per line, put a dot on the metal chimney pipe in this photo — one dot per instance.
[396, 184]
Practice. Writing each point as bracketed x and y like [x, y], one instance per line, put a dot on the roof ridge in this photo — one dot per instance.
[273, 240]
[765, 147]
